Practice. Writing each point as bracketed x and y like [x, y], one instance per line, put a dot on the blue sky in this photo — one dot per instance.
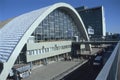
[12, 8]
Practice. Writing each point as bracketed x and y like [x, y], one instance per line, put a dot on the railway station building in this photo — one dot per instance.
[40, 36]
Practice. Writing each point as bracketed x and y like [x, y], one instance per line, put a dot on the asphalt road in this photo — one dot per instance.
[85, 72]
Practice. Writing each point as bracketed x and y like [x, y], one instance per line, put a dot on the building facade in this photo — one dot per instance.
[40, 36]
[93, 18]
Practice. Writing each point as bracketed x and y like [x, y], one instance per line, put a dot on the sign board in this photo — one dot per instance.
[90, 30]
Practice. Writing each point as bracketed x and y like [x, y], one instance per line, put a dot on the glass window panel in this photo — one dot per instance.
[57, 25]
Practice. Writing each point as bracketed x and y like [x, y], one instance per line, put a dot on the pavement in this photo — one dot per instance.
[52, 70]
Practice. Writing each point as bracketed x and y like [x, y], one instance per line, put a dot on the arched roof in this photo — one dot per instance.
[15, 34]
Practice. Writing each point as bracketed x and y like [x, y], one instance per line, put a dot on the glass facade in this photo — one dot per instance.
[58, 25]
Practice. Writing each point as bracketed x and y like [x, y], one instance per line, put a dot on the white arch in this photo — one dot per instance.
[18, 31]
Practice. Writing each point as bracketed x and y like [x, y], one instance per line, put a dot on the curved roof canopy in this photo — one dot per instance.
[15, 34]
[20, 28]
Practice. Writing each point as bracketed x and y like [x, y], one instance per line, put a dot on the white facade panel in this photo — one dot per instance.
[47, 49]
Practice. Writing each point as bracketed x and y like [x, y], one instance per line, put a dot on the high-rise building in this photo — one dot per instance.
[93, 18]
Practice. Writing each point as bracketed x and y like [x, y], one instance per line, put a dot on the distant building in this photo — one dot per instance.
[94, 18]
[112, 36]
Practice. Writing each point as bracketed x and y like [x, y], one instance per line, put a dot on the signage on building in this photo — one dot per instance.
[90, 30]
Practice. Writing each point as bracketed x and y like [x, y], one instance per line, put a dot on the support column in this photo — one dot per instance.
[45, 61]
[31, 64]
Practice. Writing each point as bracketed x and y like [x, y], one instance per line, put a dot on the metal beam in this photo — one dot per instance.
[95, 42]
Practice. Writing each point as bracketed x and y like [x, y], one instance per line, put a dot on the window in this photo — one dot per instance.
[57, 25]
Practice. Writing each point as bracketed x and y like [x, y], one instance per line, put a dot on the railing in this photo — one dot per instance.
[96, 42]
[110, 69]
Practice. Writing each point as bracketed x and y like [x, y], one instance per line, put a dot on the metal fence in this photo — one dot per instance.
[110, 69]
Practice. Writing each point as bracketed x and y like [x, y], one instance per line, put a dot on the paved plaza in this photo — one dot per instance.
[48, 72]
[51, 70]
